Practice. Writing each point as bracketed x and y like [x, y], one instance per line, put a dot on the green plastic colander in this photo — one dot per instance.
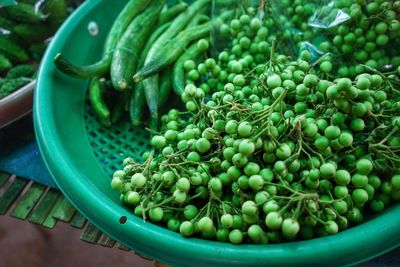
[81, 155]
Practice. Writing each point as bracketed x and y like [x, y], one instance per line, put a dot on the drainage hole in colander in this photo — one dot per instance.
[122, 220]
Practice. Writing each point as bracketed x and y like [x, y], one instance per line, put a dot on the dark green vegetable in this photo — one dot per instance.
[25, 70]
[172, 12]
[31, 2]
[37, 49]
[171, 51]
[97, 89]
[56, 10]
[152, 93]
[4, 63]
[119, 107]
[97, 69]
[74, 2]
[138, 99]
[127, 52]
[6, 24]
[177, 25]
[200, 18]
[130, 11]
[154, 124]
[165, 86]
[12, 49]
[25, 13]
[178, 73]
[10, 86]
[2, 81]
[32, 32]
[137, 104]
[154, 36]
[226, 3]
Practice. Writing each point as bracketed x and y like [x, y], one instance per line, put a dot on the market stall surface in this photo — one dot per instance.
[25, 244]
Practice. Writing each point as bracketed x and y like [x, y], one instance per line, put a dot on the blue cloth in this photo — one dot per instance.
[19, 152]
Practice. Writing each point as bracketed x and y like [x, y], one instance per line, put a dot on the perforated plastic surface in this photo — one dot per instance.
[112, 145]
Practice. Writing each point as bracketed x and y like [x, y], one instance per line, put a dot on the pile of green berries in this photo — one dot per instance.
[357, 33]
[364, 32]
[369, 37]
[269, 149]
[294, 15]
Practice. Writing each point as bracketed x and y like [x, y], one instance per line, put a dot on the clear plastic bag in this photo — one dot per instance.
[361, 33]
[328, 16]
[355, 33]
[228, 15]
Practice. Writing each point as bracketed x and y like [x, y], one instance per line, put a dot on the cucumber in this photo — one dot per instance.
[130, 11]
[154, 124]
[119, 107]
[5, 63]
[200, 18]
[165, 87]
[37, 49]
[31, 32]
[25, 13]
[24, 70]
[97, 89]
[9, 86]
[137, 104]
[6, 24]
[172, 12]
[127, 53]
[154, 36]
[12, 50]
[152, 93]
[138, 99]
[171, 51]
[57, 12]
[178, 24]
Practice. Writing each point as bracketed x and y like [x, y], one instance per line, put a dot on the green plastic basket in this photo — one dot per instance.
[81, 155]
